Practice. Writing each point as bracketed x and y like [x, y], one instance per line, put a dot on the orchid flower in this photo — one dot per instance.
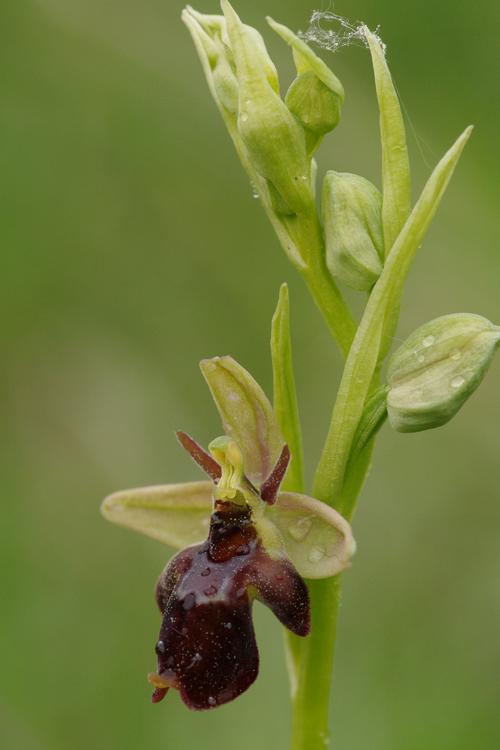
[241, 539]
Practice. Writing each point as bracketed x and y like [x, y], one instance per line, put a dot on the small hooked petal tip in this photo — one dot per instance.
[161, 687]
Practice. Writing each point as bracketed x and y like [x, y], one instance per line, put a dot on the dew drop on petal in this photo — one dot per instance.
[457, 382]
[211, 700]
[428, 341]
[455, 354]
[189, 601]
[420, 358]
[300, 529]
[210, 590]
[316, 554]
[244, 117]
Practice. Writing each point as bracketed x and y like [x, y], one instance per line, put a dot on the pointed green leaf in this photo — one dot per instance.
[285, 396]
[247, 415]
[413, 233]
[317, 539]
[175, 514]
[396, 183]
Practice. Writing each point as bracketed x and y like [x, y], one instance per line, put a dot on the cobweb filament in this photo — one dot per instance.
[340, 33]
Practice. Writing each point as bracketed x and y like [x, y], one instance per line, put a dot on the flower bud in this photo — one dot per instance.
[208, 33]
[274, 140]
[313, 103]
[437, 368]
[316, 95]
[351, 209]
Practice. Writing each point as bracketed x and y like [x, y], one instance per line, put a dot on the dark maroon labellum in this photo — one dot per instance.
[206, 647]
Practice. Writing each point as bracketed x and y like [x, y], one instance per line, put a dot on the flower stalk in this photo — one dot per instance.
[250, 528]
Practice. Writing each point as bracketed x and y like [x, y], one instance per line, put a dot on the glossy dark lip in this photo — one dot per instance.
[205, 594]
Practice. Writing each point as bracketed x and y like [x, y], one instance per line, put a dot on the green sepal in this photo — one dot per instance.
[247, 416]
[316, 538]
[351, 213]
[175, 514]
[437, 368]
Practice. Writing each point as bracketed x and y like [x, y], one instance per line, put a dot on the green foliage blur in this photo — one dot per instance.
[132, 248]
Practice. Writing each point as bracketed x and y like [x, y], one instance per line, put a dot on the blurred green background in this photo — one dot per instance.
[131, 248]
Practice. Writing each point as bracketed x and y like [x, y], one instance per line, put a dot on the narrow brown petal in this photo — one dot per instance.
[202, 458]
[270, 488]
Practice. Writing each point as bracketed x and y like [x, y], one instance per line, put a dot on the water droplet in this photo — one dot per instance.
[211, 701]
[455, 354]
[243, 550]
[457, 382]
[243, 117]
[248, 102]
[304, 178]
[205, 572]
[420, 358]
[300, 529]
[428, 341]
[189, 601]
[160, 647]
[228, 625]
[210, 590]
[316, 554]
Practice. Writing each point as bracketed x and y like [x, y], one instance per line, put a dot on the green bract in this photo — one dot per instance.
[396, 182]
[315, 97]
[351, 211]
[315, 537]
[437, 368]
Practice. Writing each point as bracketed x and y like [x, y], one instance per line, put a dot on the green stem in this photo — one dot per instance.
[311, 701]
[304, 233]
[324, 291]
[310, 729]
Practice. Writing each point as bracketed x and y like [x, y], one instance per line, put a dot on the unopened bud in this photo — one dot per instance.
[209, 33]
[274, 139]
[351, 209]
[437, 368]
[316, 95]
